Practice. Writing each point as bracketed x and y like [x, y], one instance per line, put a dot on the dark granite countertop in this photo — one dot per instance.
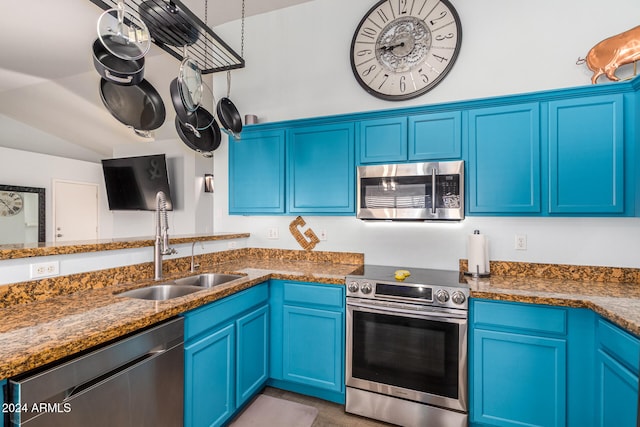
[38, 331]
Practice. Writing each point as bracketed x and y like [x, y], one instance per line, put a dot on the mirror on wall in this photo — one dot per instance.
[22, 215]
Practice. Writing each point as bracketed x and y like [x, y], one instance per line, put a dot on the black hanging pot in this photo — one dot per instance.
[204, 141]
[138, 106]
[228, 113]
[182, 113]
[114, 69]
[167, 23]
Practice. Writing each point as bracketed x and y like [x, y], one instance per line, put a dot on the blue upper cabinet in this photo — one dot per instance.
[586, 155]
[504, 160]
[422, 137]
[257, 173]
[321, 169]
[435, 136]
[383, 140]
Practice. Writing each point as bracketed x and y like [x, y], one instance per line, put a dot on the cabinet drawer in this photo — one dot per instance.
[314, 294]
[216, 313]
[525, 317]
[619, 344]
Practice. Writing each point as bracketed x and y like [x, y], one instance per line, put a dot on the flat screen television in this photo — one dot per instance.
[132, 182]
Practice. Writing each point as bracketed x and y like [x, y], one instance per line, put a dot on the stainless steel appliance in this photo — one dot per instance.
[411, 191]
[406, 349]
[135, 382]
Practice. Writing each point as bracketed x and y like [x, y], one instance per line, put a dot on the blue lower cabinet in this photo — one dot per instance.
[209, 378]
[524, 360]
[519, 379]
[617, 397]
[226, 356]
[253, 348]
[307, 339]
[312, 347]
[617, 359]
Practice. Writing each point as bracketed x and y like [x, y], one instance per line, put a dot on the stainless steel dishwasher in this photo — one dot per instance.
[136, 381]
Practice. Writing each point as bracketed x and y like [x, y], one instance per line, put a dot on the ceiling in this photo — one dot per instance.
[49, 98]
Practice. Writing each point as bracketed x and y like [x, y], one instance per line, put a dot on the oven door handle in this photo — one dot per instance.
[428, 314]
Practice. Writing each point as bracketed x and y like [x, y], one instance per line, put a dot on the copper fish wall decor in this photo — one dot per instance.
[612, 53]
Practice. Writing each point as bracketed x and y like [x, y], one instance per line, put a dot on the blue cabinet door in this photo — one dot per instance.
[504, 160]
[617, 393]
[586, 155]
[383, 140]
[257, 173]
[435, 136]
[209, 379]
[252, 353]
[518, 379]
[321, 169]
[313, 347]
[617, 366]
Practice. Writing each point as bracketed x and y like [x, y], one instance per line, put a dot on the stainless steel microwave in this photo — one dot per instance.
[411, 191]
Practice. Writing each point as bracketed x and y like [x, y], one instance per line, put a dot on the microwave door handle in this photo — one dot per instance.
[433, 191]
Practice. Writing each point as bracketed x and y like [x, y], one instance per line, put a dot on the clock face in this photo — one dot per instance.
[11, 203]
[403, 48]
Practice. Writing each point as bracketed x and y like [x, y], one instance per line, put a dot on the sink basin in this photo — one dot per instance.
[161, 292]
[207, 280]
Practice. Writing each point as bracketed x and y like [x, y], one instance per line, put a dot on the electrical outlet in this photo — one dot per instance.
[232, 245]
[323, 235]
[273, 233]
[521, 242]
[44, 269]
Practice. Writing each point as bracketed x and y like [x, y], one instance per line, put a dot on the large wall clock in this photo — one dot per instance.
[11, 203]
[403, 48]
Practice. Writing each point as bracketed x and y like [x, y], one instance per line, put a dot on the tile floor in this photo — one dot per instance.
[329, 414]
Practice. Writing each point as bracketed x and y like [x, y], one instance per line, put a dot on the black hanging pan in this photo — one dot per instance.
[204, 141]
[182, 113]
[228, 113]
[167, 23]
[114, 69]
[138, 106]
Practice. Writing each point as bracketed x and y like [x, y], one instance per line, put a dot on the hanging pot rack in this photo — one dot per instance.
[210, 52]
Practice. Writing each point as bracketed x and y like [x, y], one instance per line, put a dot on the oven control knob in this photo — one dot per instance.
[366, 288]
[353, 287]
[458, 297]
[442, 296]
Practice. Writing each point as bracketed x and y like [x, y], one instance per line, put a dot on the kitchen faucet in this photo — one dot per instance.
[161, 246]
[194, 266]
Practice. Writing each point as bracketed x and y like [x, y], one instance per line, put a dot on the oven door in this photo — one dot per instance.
[418, 354]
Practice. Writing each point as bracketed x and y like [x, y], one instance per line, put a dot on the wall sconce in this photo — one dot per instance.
[208, 183]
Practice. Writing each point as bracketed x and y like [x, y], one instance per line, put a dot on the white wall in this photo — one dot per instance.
[297, 66]
[23, 168]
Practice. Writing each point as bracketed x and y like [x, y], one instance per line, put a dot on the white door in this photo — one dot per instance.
[75, 211]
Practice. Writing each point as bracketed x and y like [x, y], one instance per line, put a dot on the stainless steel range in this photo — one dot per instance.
[406, 349]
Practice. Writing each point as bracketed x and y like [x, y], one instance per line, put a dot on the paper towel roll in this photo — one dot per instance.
[478, 253]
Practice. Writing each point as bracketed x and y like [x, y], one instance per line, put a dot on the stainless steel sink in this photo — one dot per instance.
[161, 292]
[207, 280]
